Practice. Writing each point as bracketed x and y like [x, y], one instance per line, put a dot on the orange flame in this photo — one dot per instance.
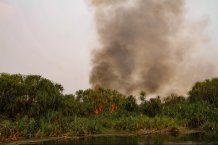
[113, 107]
[98, 110]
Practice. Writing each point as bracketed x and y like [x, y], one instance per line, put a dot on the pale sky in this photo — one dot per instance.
[54, 38]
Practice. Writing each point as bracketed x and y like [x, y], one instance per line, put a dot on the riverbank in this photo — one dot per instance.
[108, 133]
[103, 125]
[35, 107]
[79, 126]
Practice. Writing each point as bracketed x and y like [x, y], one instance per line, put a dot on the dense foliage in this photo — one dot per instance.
[32, 106]
[28, 95]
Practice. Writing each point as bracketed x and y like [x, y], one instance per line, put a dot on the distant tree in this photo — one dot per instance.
[71, 106]
[48, 96]
[28, 95]
[174, 99]
[152, 107]
[205, 91]
[11, 94]
[142, 96]
[130, 104]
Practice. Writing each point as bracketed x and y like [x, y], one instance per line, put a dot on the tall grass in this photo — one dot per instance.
[134, 123]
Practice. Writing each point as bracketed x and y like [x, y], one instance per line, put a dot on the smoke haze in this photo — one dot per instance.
[146, 45]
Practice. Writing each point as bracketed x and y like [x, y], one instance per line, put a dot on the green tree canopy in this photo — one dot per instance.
[28, 95]
[205, 91]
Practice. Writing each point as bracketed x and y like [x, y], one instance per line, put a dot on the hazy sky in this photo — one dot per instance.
[54, 38]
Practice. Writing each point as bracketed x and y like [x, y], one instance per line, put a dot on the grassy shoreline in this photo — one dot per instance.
[83, 126]
[108, 133]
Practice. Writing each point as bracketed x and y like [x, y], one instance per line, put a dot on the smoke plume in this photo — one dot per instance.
[145, 45]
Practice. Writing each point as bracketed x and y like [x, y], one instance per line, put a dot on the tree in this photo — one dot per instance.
[28, 95]
[174, 99]
[152, 107]
[142, 96]
[11, 94]
[205, 91]
[130, 104]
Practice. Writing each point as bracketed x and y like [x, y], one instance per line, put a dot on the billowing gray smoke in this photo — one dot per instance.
[143, 44]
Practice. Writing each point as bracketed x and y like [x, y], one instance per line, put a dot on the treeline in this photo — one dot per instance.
[32, 106]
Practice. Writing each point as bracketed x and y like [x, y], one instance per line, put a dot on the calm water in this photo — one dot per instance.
[192, 139]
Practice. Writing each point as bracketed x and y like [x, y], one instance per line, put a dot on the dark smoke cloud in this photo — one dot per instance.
[143, 43]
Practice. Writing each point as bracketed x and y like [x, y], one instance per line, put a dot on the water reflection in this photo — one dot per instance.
[192, 139]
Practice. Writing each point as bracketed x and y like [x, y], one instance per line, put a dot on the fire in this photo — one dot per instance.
[99, 109]
[113, 107]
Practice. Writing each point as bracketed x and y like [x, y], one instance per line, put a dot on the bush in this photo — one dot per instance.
[134, 123]
[195, 121]
[206, 91]
[26, 127]
[152, 107]
[7, 128]
[210, 126]
[83, 126]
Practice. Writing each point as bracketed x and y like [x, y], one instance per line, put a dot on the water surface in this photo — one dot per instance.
[191, 139]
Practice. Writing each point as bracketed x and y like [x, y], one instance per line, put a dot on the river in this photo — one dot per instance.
[191, 139]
